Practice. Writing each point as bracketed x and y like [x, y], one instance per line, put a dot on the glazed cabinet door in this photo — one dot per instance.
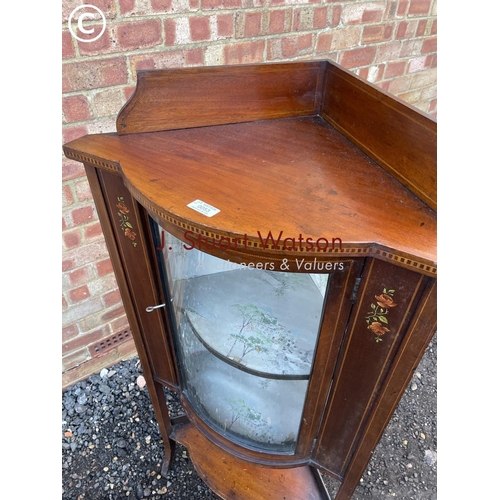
[254, 345]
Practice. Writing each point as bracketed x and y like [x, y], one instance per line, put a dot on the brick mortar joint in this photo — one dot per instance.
[74, 304]
[95, 275]
[72, 184]
[95, 315]
[422, 87]
[83, 350]
[410, 89]
[78, 203]
[198, 13]
[93, 121]
[81, 229]
[250, 10]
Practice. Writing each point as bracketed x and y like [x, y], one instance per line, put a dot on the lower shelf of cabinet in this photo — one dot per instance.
[231, 477]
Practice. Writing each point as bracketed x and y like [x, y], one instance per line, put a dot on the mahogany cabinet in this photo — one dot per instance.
[273, 232]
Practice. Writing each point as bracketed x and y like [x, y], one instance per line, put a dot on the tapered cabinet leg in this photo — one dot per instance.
[163, 417]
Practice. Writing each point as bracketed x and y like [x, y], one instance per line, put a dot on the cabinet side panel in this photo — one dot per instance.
[387, 299]
[398, 137]
[197, 97]
[132, 243]
[410, 352]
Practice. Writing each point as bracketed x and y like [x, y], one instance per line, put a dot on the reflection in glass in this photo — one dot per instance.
[246, 339]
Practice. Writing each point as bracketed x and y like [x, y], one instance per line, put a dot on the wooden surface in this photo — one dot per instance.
[396, 135]
[128, 291]
[417, 337]
[359, 376]
[132, 243]
[297, 176]
[400, 138]
[336, 314]
[193, 97]
[234, 478]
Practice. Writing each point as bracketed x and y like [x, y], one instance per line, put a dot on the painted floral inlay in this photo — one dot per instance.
[377, 317]
[127, 228]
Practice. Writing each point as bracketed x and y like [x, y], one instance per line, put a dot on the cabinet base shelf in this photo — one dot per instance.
[233, 478]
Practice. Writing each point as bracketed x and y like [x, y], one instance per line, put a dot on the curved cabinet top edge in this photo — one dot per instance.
[94, 150]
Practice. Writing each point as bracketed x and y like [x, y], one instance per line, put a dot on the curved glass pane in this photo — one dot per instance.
[246, 339]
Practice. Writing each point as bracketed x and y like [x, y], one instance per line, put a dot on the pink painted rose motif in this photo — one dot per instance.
[377, 317]
[377, 328]
[125, 224]
[385, 300]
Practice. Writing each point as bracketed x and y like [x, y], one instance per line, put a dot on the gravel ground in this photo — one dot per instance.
[111, 445]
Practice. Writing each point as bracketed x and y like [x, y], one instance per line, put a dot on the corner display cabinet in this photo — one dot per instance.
[273, 232]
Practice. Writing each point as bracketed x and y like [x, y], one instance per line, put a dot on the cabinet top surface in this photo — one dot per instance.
[297, 177]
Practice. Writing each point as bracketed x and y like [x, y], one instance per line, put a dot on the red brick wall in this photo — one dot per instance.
[391, 43]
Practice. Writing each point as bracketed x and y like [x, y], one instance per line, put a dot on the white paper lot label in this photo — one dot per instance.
[203, 208]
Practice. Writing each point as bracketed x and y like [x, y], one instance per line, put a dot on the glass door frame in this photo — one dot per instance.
[337, 307]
